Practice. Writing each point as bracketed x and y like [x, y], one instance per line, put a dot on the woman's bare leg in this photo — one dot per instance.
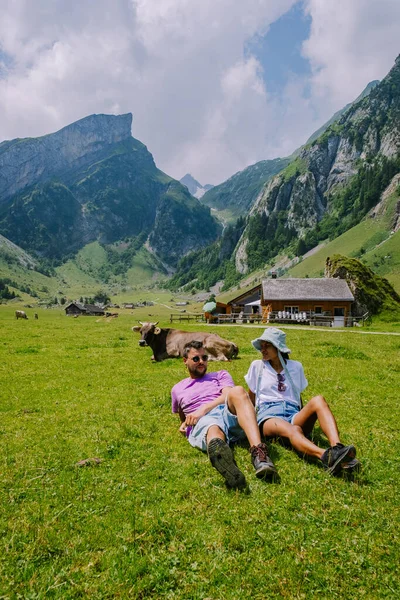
[318, 409]
[277, 427]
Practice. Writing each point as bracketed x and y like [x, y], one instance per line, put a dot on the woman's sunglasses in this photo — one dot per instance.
[197, 359]
[281, 384]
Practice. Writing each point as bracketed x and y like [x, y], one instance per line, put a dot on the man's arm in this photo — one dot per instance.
[193, 417]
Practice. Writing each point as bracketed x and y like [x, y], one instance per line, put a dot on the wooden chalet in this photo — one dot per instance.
[76, 309]
[316, 301]
[322, 301]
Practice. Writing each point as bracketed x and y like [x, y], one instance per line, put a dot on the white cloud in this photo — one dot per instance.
[351, 43]
[177, 65]
[198, 103]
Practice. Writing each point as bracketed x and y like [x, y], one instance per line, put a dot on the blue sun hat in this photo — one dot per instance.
[276, 336]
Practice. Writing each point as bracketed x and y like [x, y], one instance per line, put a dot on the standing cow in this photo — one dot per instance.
[20, 314]
[169, 343]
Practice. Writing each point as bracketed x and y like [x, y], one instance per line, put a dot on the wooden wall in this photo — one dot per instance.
[310, 305]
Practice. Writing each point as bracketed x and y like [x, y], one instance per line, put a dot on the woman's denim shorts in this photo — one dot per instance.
[283, 410]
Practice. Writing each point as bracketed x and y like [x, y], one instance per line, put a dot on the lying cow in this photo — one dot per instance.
[169, 343]
[20, 314]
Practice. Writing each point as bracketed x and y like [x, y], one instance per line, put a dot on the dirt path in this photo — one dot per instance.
[324, 329]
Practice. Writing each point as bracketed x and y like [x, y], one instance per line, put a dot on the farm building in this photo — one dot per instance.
[324, 300]
[313, 301]
[75, 308]
[248, 302]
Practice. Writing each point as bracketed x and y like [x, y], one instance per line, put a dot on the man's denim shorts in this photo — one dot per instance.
[284, 410]
[224, 419]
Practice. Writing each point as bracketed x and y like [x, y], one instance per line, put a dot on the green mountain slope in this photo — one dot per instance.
[321, 194]
[340, 113]
[235, 196]
[372, 240]
[333, 182]
[107, 190]
[94, 267]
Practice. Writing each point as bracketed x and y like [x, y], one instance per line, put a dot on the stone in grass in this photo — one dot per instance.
[89, 462]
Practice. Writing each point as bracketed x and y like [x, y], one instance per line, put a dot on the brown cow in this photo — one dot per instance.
[20, 314]
[169, 343]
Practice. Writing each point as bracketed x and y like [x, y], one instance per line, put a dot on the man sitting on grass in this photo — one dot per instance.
[214, 413]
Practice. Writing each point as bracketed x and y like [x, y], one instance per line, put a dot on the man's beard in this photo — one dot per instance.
[197, 374]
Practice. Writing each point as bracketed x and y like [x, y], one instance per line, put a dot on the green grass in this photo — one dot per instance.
[385, 260]
[296, 167]
[154, 520]
[80, 276]
[367, 236]
[346, 244]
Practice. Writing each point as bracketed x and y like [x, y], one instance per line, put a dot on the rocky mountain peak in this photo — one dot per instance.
[195, 188]
[106, 129]
[27, 160]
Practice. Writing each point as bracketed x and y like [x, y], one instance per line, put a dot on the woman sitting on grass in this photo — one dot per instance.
[275, 385]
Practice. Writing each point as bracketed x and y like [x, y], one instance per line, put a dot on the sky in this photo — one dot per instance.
[213, 85]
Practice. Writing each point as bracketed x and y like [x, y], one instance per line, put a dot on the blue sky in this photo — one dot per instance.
[213, 86]
[279, 50]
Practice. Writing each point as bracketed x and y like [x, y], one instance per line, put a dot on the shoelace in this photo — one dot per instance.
[260, 452]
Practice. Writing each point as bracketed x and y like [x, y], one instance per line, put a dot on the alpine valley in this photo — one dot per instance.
[342, 182]
[88, 203]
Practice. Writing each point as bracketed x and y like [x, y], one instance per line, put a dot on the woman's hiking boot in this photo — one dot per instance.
[334, 456]
[221, 457]
[261, 461]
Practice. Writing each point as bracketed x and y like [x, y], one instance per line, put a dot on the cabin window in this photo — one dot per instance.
[338, 312]
[294, 310]
[318, 310]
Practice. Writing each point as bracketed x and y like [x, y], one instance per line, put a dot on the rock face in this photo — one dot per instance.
[339, 113]
[371, 292]
[93, 181]
[30, 160]
[305, 189]
[240, 192]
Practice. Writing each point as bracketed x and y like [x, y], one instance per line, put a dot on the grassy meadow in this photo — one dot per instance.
[153, 519]
[371, 241]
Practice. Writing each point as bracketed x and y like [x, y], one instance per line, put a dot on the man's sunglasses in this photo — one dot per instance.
[197, 359]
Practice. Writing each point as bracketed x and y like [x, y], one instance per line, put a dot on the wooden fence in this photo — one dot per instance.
[181, 318]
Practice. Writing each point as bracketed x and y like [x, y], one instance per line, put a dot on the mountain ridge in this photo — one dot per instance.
[238, 193]
[310, 192]
[93, 181]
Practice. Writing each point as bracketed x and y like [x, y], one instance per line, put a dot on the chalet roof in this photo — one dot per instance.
[77, 304]
[306, 289]
[90, 308]
[244, 295]
[94, 308]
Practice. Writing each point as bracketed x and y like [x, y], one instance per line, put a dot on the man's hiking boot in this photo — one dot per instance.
[352, 466]
[261, 461]
[334, 456]
[221, 457]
